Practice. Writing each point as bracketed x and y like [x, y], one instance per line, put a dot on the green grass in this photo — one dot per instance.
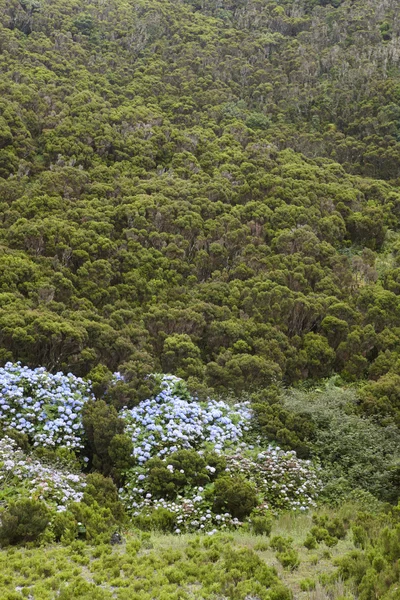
[167, 567]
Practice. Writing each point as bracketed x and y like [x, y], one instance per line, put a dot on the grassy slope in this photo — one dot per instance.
[81, 571]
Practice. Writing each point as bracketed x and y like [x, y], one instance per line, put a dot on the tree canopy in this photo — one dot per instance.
[202, 189]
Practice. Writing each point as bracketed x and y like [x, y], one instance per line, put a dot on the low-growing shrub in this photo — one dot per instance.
[310, 542]
[261, 546]
[334, 526]
[360, 536]
[280, 543]
[235, 495]
[23, 521]
[261, 525]
[319, 533]
[331, 541]
[289, 559]
[307, 585]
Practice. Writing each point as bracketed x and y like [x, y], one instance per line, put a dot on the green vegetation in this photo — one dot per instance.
[209, 191]
[214, 196]
[229, 566]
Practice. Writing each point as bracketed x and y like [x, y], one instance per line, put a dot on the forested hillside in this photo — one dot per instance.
[208, 189]
[205, 190]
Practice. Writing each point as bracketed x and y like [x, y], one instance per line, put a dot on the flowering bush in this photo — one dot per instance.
[283, 481]
[196, 489]
[280, 481]
[191, 512]
[160, 426]
[23, 476]
[192, 461]
[46, 407]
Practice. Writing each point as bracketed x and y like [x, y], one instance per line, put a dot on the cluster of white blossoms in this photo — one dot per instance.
[162, 425]
[284, 481]
[191, 512]
[21, 475]
[44, 406]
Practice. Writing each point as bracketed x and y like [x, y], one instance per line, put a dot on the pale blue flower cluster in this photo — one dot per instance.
[44, 406]
[162, 425]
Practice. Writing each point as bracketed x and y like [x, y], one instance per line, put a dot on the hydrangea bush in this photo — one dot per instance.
[172, 420]
[46, 407]
[190, 513]
[283, 481]
[190, 455]
[23, 476]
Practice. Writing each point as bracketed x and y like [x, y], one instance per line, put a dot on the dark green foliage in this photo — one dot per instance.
[101, 491]
[355, 452]
[275, 422]
[234, 495]
[215, 195]
[188, 469]
[109, 449]
[23, 521]
[210, 191]
[159, 519]
[95, 518]
[310, 542]
[334, 526]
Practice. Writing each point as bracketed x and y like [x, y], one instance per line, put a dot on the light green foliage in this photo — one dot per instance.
[356, 452]
[213, 566]
[374, 569]
[260, 525]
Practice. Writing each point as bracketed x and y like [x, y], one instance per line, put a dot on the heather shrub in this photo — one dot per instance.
[280, 543]
[23, 521]
[289, 559]
[261, 525]
[310, 542]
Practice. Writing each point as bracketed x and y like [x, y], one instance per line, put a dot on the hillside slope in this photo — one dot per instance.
[203, 189]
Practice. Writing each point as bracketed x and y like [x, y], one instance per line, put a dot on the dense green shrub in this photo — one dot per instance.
[23, 521]
[261, 525]
[159, 519]
[101, 491]
[109, 449]
[280, 543]
[272, 420]
[310, 542]
[355, 451]
[188, 469]
[289, 559]
[234, 495]
[334, 526]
